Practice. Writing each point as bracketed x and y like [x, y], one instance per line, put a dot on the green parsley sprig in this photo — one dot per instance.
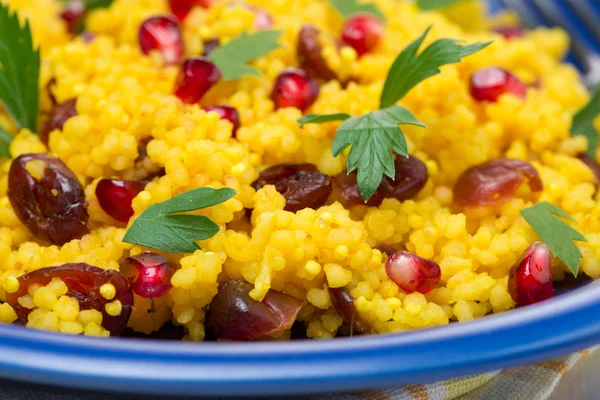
[19, 71]
[373, 136]
[233, 57]
[583, 123]
[5, 139]
[557, 234]
[163, 226]
[435, 4]
[347, 8]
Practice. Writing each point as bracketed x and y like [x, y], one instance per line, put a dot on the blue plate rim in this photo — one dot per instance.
[535, 333]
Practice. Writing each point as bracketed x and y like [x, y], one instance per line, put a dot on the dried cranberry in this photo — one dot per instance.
[412, 273]
[363, 32]
[495, 182]
[84, 282]
[344, 305]
[149, 274]
[211, 45]
[410, 178]
[530, 279]
[48, 198]
[510, 31]
[73, 15]
[301, 185]
[162, 33]
[196, 76]
[115, 197]
[227, 112]
[491, 83]
[310, 53]
[295, 88]
[234, 315]
[181, 8]
[59, 115]
[590, 163]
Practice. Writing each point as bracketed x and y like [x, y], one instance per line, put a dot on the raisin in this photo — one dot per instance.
[310, 53]
[59, 115]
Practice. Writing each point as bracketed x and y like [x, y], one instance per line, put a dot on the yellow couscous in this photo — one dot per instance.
[293, 242]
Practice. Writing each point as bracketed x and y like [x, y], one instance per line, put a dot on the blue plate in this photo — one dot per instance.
[549, 329]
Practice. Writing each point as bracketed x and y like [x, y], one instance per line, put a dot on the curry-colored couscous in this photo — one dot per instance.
[117, 115]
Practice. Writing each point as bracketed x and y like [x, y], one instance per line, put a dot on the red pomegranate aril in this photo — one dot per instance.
[196, 76]
[495, 182]
[234, 315]
[412, 273]
[227, 112]
[83, 282]
[310, 53]
[295, 88]
[530, 279]
[363, 32]
[73, 15]
[48, 198]
[162, 33]
[591, 163]
[115, 197]
[59, 115]
[510, 31]
[491, 83]
[149, 274]
[181, 8]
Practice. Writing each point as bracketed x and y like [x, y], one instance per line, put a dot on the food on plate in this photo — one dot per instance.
[258, 170]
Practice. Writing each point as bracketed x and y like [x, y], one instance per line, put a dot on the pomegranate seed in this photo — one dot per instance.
[590, 163]
[510, 31]
[530, 279]
[149, 274]
[196, 76]
[294, 88]
[412, 273]
[362, 32]
[73, 15]
[181, 8]
[162, 33]
[58, 116]
[115, 197]
[229, 113]
[491, 83]
[495, 182]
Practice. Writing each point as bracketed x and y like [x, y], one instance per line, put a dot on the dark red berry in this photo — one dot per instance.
[57, 118]
[294, 88]
[412, 273]
[73, 15]
[310, 53]
[162, 33]
[363, 32]
[234, 315]
[115, 197]
[149, 274]
[227, 112]
[84, 282]
[510, 31]
[196, 76]
[211, 45]
[491, 83]
[181, 8]
[495, 182]
[302, 185]
[530, 279]
[47, 197]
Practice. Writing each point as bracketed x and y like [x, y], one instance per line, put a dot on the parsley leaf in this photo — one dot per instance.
[350, 7]
[161, 227]
[559, 236]
[5, 139]
[322, 118]
[93, 4]
[583, 123]
[19, 70]
[372, 137]
[233, 56]
[435, 4]
[409, 69]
